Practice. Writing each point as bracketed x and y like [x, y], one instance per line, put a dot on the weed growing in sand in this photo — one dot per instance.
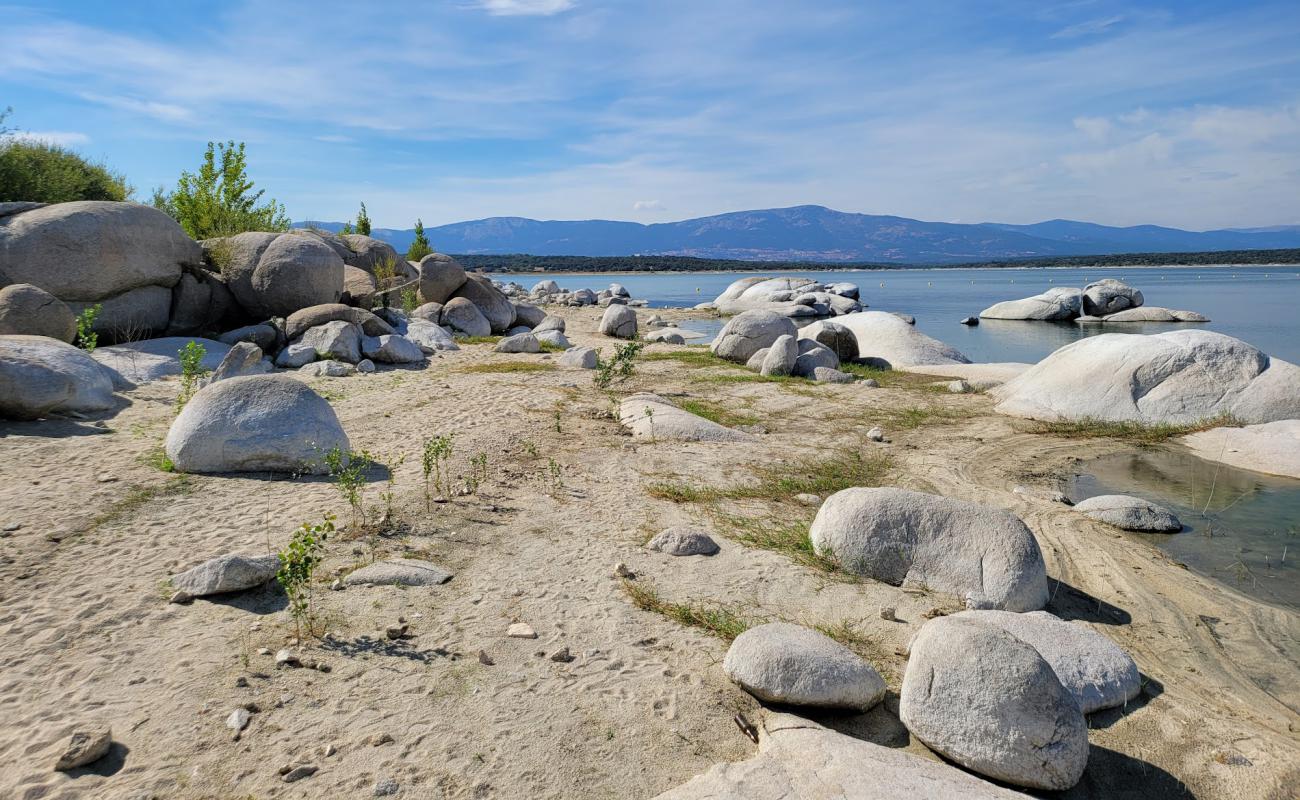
[87, 339]
[558, 418]
[723, 622]
[555, 474]
[716, 412]
[433, 461]
[389, 495]
[191, 356]
[158, 459]
[298, 562]
[478, 472]
[138, 496]
[478, 339]
[697, 357]
[618, 368]
[530, 448]
[1138, 433]
[811, 475]
[348, 469]
[780, 536]
[913, 417]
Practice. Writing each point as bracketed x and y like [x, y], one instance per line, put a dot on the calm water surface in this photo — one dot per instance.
[1241, 528]
[1260, 305]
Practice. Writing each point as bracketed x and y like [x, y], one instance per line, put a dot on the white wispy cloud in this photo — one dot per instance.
[516, 8]
[61, 138]
[648, 205]
[1090, 27]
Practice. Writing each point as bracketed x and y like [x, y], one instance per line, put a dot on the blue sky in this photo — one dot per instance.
[1183, 114]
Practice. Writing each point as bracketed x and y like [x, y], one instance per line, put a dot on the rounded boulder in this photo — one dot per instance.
[31, 311]
[780, 662]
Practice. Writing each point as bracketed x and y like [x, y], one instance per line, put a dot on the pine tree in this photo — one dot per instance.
[420, 247]
[363, 221]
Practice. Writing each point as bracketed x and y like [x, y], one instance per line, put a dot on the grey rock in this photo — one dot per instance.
[229, 573]
[969, 321]
[238, 719]
[649, 416]
[31, 311]
[780, 356]
[780, 662]
[296, 355]
[579, 358]
[666, 336]
[259, 423]
[365, 366]
[833, 335]
[429, 312]
[1130, 513]
[153, 359]
[799, 760]
[553, 338]
[683, 542]
[1179, 377]
[201, 302]
[885, 340]
[244, 358]
[755, 362]
[277, 274]
[908, 318]
[916, 539]
[550, 323]
[1154, 314]
[519, 343]
[88, 744]
[368, 253]
[429, 336]
[440, 277]
[876, 434]
[460, 314]
[392, 349]
[813, 356]
[302, 320]
[133, 314]
[490, 301]
[358, 286]
[619, 322]
[40, 376]
[1107, 296]
[267, 337]
[988, 701]
[386, 788]
[336, 340]
[1059, 303]
[299, 772]
[529, 314]
[748, 332]
[328, 369]
[830, 375]
[1090, 666]
[400, 572]
[545, 287]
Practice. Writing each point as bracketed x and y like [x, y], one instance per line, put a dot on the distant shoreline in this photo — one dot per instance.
[634, 273]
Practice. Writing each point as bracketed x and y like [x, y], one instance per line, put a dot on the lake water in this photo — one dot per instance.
[1259, 305]
[1241, 528]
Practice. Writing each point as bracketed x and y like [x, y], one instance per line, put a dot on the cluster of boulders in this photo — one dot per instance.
[548, 292]
[771, 344]
[1001, 689]
[788, 297]
[1104, 301]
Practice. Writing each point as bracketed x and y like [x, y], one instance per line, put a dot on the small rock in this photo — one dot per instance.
[287, 658]
[806, 499]
[623, 571]
[106, 478]
[870, 383]
[386, 787]
[181, 597]
[888, 613]
[970, 321]
[485, 659]
[876, 434]
[382, 739]
[238, 720]
[89, 743]
[395, 631]
[328, 750]
[337, 585]
[562, 656]
[521, 630]
[12, 526]
[241, 682]
[959, 387]
[300, 772]
[264, 651]
[323, 667]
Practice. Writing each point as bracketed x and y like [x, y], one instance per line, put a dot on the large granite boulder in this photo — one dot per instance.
[800, 760]
[1108, 296]
[1060, 303]
[905, 538]
[778, 360]
[27, 310]
[153, 359]
[1130, 513]
[1273, 447]
[228, 573]
[789, 297]
[265, 335]
[460, 314]
[491, 301]
[1154, 314]
[983, 698]
[780, 662]
[337, 340]
[276, 274]
[430, 336]
[529, 315]
[1178, 377]
[748, 332]
[440, 277]
[814, 355]
[884, 340]
[1092, 668]
[368, 253]
[618, 321]
[392, 349]
[297, 323]
[358, 287]
[40, 376]
[260, 423]
[833, 335]
[201, 302]
[649, 416]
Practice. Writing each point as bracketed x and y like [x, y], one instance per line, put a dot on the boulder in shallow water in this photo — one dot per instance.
[1108, 296]
[1054, 304]
[1130, 513]
[1154, 314]
[884, 340]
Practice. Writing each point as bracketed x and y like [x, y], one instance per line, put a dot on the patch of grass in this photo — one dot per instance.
[1138, 433]
[138, 496]
[721, 621]
[551, 347]
[780, 536]
[718, 413]
[810, 475]
[157, 458]
[478, 339]
[698, 357]
[509, 366]
[912, 417]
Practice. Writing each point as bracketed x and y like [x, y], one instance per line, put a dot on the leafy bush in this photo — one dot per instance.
[298, 562]
[420, 247]
[410, 301]
[86, 336]
[191, 356]
[219, 200]
[44, 172]
[620, 367]
[434, 460]
[348, 469]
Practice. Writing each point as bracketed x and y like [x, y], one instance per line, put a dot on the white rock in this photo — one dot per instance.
[887, 341]
[519, 343]
[328, 369]
[1059, 303]
[336, 340]
[238, 719]
[619, 321]
[749, 332]
[649, 416]
[429, 336]
[579, 358]
[88, 744]
[521, 630]
[1130, 513]
[780, 356]
[1273, 447]
[780, 662]
[392, 349]
[229, 573]
[295, 356]
[683, 542]
[400, 572]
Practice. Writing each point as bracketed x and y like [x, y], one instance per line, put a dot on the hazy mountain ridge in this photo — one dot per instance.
[815, 233]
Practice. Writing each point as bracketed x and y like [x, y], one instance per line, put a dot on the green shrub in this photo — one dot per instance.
[363, 221]
[44, 172]
[219, 200]
[434, 460]
[420, 247]
[620, 367]
[87, 339]
[191, 356]
[298, 562]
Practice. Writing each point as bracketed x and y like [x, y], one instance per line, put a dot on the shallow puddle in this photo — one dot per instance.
[1239, 527]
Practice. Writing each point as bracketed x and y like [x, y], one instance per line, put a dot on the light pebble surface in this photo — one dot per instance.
[86, 632]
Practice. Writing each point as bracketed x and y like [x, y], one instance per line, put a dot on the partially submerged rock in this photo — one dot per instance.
[780, 662]
[915, 539]
[1060, 303]
[1154, 314]
[1272, 448]
[270, 423]
[229, 573]
[1130, 513]
[400, 572]
[884, 340]
[988, 701]
[649, 416]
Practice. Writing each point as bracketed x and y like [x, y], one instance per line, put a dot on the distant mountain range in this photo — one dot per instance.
[815, 233]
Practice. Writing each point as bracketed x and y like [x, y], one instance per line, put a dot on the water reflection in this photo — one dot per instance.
[1240, 527]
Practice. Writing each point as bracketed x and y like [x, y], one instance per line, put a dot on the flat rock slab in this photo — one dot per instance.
[781, 662]
[683, 542]
[649, 416]
[1130, 513]
[400, 572]
[1091, 667]
[153, 359]
[40, 376]
[228, 573]
[1272, 448]
[993, 372]
[799, 760]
